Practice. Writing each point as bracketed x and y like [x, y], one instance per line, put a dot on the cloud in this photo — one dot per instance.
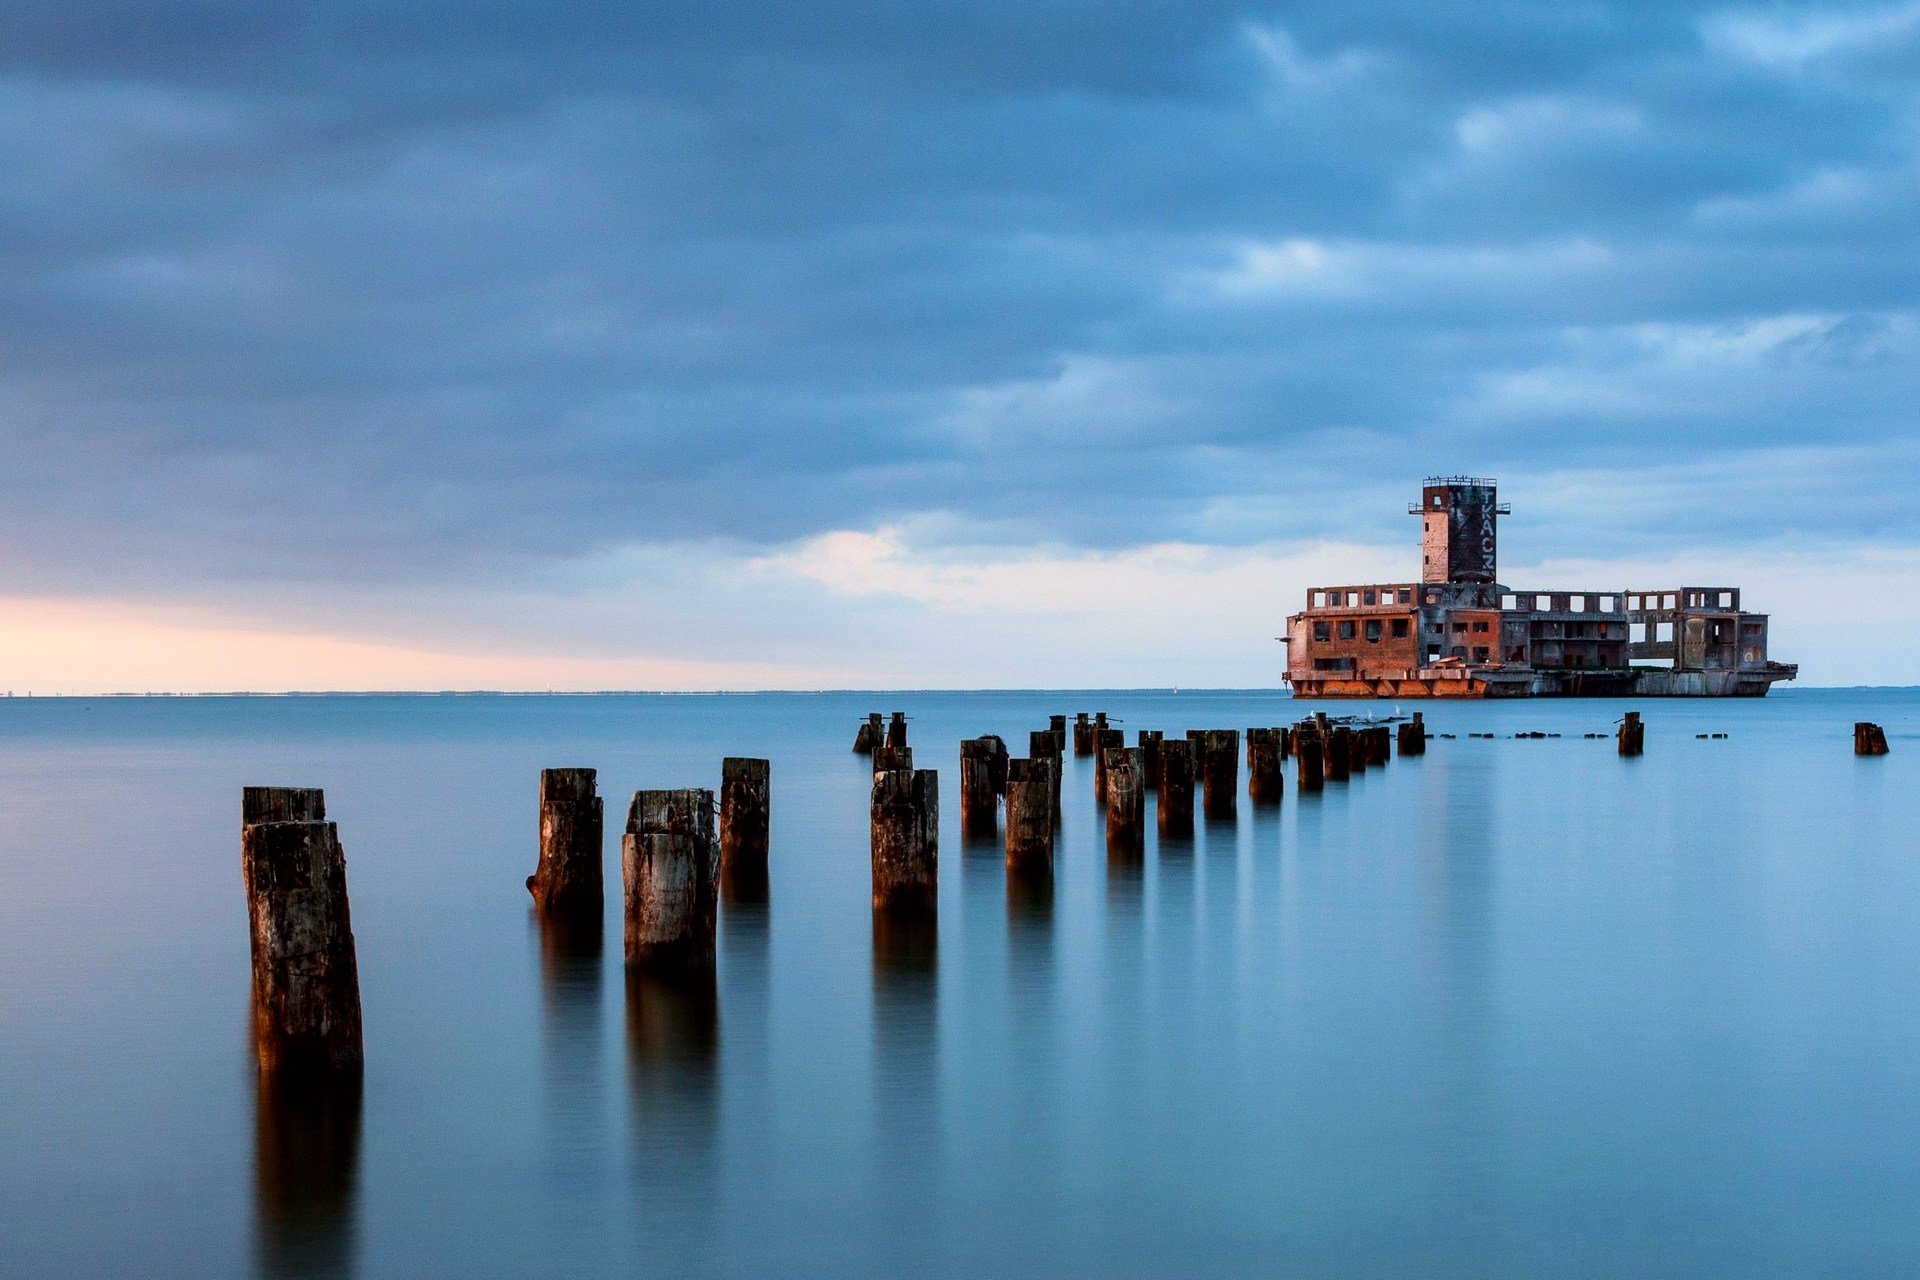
[414, 331]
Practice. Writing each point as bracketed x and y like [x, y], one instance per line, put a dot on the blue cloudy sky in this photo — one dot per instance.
[849, 343]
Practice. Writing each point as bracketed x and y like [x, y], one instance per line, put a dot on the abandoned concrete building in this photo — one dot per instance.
[1458, 633]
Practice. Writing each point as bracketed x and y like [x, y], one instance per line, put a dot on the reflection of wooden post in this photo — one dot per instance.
[1338, 753]
[897, 730]
[978, 812]
[1310, 758]
[670, 867]
[906, 840]
[1220, 773]
[568, 882]
[1175, 800]
[306, 977]
[1126, 796]
[1632, 736]
[1030, 813]
[1264, 783]
[1869, 739]
[872, 733]
[745, 815]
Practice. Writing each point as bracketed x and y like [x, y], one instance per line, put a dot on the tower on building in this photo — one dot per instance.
[1458, 542]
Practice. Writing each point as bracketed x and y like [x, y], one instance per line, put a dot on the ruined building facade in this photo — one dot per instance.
[1459, 633]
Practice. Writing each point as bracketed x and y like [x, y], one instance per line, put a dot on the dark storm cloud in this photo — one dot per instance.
[372, 293]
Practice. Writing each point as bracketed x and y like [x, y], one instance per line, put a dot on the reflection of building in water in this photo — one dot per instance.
[306, 1175]
[1458, 633]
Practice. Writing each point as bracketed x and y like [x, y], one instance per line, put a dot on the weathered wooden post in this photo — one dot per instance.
[1382, 745]
[1632, 735]
[1197, 740]
[1174, 801]
[745, 812]
[306, 976]
[1310, 760]
[1150, 740]
[897, 730]
[1104, 741]
[1043, 746]
[1030, 814]
[1869, 739]
[1220, 773]
[978, 810]
[888, 759]
[1339, 752]
[1357, 751]
[906, 841]
[1126, 797]
[670, 866]
[1286, 744]
[1264, 783]
[1057, 726]
[1413, 736]
[568, 883]
[1082, 735]
[871, 734]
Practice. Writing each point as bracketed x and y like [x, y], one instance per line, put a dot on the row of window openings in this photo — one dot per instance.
[1695, 600]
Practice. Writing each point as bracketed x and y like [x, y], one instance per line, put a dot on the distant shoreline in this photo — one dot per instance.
[817, 693]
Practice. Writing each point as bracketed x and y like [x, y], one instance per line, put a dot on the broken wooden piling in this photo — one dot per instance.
[1149, 742]
[1413, 736]
[745, 815]
[1030, 785]
[306, 976]
[1082, 735]
[670, 864]
[872, 733]
[897, 730]
[1309, 755]
[1057, 727]
[905, 818]
[567, 882]
[1104, 740]
[1126, 797]
[889, 759]
[1869, 739]
[1220, 772]
[1632, 734]
[979, 811]
[1174, 796]
[1338, 751]
[1045, 746]
[1264, 783]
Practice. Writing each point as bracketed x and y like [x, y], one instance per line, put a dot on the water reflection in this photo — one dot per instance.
[906, 1054]
[571, 966]
[306, 1176]
[673, 1043]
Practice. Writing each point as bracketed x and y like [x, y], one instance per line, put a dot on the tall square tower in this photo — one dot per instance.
[1458, 542]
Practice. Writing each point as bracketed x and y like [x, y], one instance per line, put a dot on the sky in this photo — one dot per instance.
[998, 343]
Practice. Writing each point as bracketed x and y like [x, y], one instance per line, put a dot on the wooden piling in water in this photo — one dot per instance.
[1104, 740]
[1082, 735]
[567, 884]
[306, 976]
[1264, 783]
[1310, 762]
[1632, 734]
[1126, 797]
[745, 815]
[1220, 773]
[1357, 751]
[1149, 742]
[897, 730]
[1338, 741]
[670, 865]
[871, 734]
[1057, 726]
[1413, 736]
[979, 813]
[1174, 799]
[1381, 751]
[1869, 739]
[888, 759]
[905, 815]
[1286, 744]
[1044, 745]
[1030, 786]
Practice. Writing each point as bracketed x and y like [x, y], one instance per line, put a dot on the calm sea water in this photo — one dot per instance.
[1517, 1008]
